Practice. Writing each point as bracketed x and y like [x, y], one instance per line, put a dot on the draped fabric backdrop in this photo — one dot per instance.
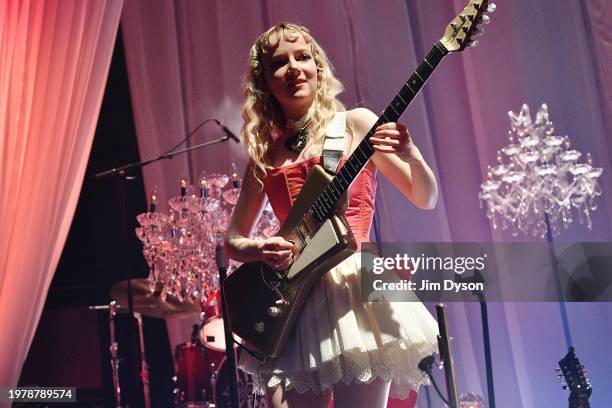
[54, 60]
[185, 62]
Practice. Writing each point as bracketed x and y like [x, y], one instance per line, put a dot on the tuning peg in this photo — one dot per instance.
[478, 32]
[472, 43]
[485, 19]
[557, 370]
[491, 7]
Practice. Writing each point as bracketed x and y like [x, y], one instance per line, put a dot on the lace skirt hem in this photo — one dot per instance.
[395, 363]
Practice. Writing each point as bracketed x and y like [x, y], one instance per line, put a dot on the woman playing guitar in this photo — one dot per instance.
[357, 350]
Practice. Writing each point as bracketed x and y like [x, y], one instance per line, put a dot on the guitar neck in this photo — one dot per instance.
[582, 401]
[326, 202]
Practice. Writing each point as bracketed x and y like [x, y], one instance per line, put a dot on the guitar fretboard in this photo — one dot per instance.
[325, 204]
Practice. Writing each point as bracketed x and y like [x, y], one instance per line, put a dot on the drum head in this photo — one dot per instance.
[212, 334]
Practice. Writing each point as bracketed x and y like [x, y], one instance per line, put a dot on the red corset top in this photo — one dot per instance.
[283, 184]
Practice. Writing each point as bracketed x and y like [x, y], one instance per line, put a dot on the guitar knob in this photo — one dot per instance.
[491, 8]
[259, 327]
[472, 44]
[273, 311]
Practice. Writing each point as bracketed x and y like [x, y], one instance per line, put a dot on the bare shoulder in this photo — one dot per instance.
[361, 120]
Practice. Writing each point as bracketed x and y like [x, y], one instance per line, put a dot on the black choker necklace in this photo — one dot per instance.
[298, 140]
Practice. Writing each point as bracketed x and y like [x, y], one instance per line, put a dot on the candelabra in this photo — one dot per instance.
[179, 247]
[538, 179]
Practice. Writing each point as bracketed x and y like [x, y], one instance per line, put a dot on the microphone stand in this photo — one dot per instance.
[122, 170]
[447, 357]
[122, 178]
[232, 372]
[486, 338]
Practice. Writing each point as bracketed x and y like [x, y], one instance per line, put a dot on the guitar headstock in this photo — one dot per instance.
[575, 379]
[464, 30]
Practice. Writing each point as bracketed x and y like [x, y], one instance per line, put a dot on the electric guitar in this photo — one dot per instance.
[263, 304]
[574, 376]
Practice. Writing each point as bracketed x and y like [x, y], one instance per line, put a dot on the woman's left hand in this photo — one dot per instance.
[394, 138]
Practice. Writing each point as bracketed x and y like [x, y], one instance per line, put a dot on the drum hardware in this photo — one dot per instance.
[144, 368]
[114, 347]
[115, 361]
[113, 308]
[196, 371]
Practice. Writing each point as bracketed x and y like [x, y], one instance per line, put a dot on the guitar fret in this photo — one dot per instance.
[337, 191]
[407, 94]
[341, 174]
[329, 200]
[350, 162]
[427, 62]
[325, 201]
[414, 81]
[396, 112]
[358, 150]
[399, 95]
[411, 90]
[334, 189]
[318, 212]
[398, 104]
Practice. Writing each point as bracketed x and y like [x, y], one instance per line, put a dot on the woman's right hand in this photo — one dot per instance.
[276, 252]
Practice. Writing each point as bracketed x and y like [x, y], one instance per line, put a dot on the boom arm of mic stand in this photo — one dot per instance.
[121, 170]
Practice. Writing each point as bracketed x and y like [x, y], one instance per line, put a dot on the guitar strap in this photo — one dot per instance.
[333, 149]
[333, 146]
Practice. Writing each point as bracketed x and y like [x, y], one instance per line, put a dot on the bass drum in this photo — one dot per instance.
[245, 390]
[196, 366]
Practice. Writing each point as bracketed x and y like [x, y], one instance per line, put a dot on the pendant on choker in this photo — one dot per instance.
[297, 141]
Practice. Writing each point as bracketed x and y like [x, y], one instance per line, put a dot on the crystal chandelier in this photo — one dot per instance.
[538, 176]
[179, 247]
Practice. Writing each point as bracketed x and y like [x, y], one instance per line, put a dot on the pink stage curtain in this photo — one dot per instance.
[54, 60]
[185, 61]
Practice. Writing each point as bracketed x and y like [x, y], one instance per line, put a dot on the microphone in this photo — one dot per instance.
[228, 132]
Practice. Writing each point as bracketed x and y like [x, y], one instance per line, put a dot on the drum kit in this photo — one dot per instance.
[180, 247]
[202, 375]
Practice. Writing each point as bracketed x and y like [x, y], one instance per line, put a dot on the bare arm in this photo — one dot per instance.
[275, 251]
[397, 158]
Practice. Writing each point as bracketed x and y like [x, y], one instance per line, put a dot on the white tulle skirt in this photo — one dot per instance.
[340, 338]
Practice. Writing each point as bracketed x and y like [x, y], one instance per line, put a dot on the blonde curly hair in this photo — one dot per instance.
[262, 112]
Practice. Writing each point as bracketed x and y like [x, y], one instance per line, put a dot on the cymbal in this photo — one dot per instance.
[150, 304]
